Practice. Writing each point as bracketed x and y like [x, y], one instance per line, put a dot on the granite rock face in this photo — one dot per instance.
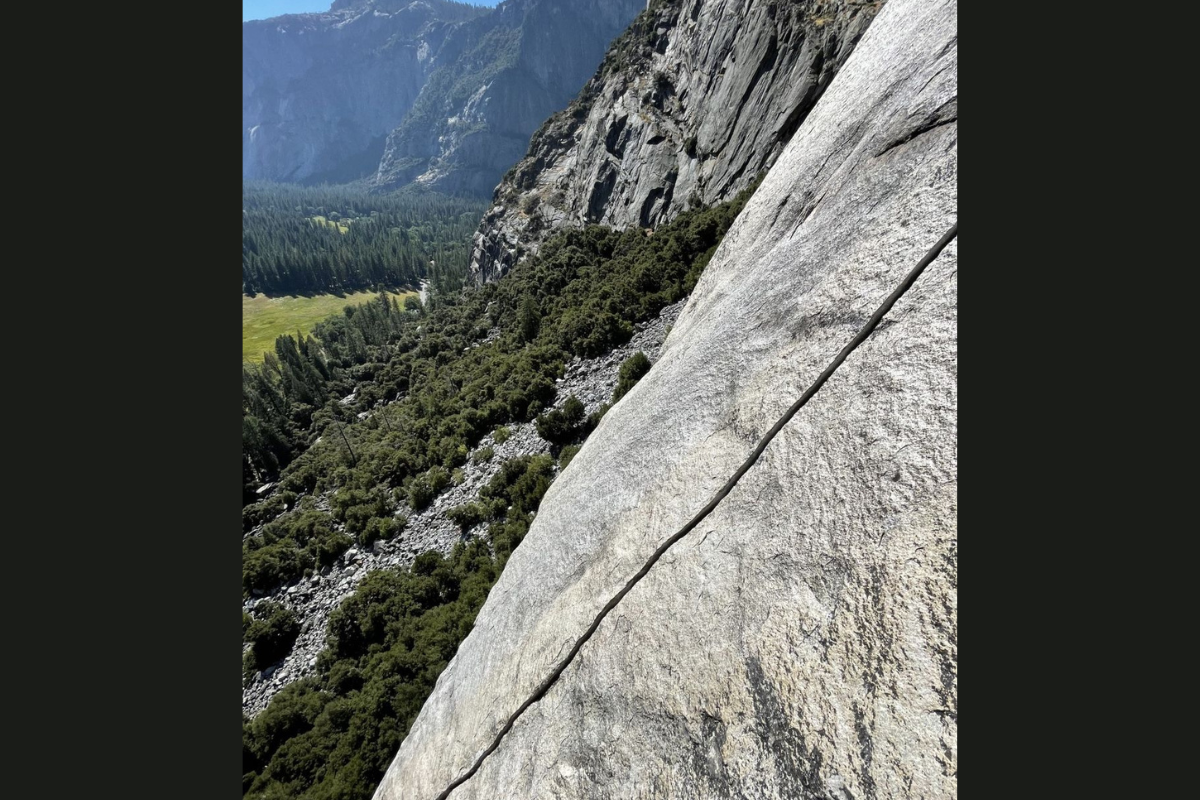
[690, 105]
[499, 77]
[802, 641]
[320, 92]
[400, 91]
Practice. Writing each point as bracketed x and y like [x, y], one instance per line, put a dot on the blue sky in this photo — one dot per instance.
[262, 9]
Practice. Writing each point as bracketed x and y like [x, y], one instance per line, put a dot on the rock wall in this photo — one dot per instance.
[321, 91]
[802, 642]
[402, 91]
[691, 104]
[499, 78]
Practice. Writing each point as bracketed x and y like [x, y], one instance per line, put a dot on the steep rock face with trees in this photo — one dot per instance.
[499, 77]
[802, 641]
[690, 105]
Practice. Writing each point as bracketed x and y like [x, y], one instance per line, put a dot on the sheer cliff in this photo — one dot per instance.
[439, 93]
[690, 105]
[802, 640]
[320, 92]
[498, 79]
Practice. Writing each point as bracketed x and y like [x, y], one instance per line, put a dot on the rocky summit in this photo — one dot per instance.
[802, 641]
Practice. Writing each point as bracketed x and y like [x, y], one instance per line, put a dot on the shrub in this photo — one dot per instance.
[420, 495]
[567, 454]
[262, 512]
[334, 735]
[439, 479]
[588, 333]
[271, 636]
[378, 528]
[483, 456]
[520, 483]
[563, 425]
[468, 515]
[632, 370]
[594, 418]
[356, 508]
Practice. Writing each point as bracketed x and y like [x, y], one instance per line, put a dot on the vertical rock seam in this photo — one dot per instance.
[845, 352]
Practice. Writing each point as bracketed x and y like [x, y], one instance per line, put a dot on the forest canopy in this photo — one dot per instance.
[306, 240]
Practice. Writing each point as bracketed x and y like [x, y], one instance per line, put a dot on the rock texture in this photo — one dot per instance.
[802, 642]
[592, 380]
[321, 91]
[500, 77]
[691, 104]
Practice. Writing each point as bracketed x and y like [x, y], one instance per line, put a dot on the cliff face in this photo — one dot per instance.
[499, 78]
[321, 91]
[802, 641]
[689, 106]
[442, 94]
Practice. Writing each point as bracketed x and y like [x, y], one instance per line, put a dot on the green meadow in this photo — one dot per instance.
[266, 318]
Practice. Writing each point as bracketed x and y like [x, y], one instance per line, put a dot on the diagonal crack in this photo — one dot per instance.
[932, 122]
[845, 352]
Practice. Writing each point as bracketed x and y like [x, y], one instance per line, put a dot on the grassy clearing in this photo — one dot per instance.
[266, 318]
[341, 225]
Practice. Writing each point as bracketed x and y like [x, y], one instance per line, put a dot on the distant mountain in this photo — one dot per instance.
[439, 93]
[500, 77]
[320, 92]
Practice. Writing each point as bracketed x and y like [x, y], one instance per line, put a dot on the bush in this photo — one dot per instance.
[520, 483]
[261, 512]
[420, 495]
[567, 454]
[501, 435]
[469, 515]
[632, 370]
[439, 479]
[483, 456]
[588, 333]
[356, 508]
[378, 528]
[563, 425]
[457, 477]
[271, 636]
[594, 418]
